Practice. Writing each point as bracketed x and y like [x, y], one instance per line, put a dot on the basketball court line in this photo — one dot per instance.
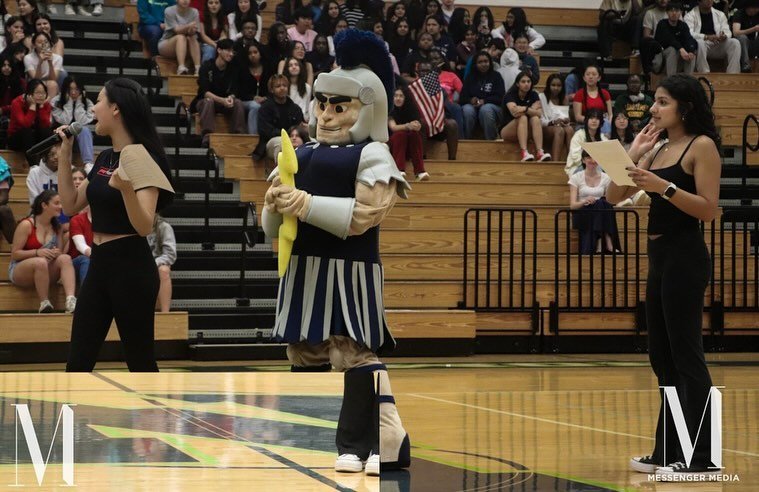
[219, 432]
[555, 422]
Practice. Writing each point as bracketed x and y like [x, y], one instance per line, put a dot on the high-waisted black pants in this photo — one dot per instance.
[122, 283]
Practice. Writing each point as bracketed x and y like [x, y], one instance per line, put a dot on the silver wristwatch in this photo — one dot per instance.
[669, 191]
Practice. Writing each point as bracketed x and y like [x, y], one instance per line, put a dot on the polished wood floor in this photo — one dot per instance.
[476, 424]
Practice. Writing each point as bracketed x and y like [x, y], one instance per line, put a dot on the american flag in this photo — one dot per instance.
[428, 96]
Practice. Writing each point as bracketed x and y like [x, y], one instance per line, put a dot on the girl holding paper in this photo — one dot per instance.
[127, 186]
[682, 177]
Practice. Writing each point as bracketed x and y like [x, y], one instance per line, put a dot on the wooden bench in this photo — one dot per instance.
[433, 324]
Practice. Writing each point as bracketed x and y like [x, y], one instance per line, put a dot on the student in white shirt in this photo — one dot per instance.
[715, 39]
[41, 63]
[236, 18]
[557, 128]
[300, 90]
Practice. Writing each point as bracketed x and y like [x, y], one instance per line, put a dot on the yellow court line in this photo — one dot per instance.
[555, 422]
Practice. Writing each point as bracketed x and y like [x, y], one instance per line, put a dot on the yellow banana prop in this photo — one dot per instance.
[288, 167]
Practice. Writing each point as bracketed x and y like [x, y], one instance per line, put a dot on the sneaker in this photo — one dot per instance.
[97, 10]
[69, 9]
[644, 464]
[423, 176]
[83, 12]
[680, 472]
[526, 156]
[373, 465]
[70, 304]
[542, 156]
[635, 53]
[182, 70]
[746, 69]
[52, 10]
[349, 463]
[46, 307]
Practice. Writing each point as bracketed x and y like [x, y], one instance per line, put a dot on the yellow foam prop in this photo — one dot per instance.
[288, 168]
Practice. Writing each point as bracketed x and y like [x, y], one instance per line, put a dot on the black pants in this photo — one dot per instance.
[122, 283]
[26, 138]
[649, 48]
[608, 30]
[678, 273]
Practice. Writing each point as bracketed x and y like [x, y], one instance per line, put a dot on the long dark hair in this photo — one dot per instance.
[53, 34]
[401, 46]
[300, 82]
[137, 116]
[276, 49]
[547, 89]
[598, 85]
[221, 18]
[599, 115]
[38, 34]
[474, 73]
[32, 85]
[694, 108]
[13, 82]
[11, 20]
[45, 198]
[514, 89]
[64, 94]
[456, 27]
[406, 113]
[326, 24]
[520, 22]
[629, 134]
[478, 14]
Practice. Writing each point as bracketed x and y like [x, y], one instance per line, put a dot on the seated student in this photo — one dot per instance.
[30, 119]
[522, 114]
[557, 129]
[650, 49]
[406, 138]
[327, 20]
[592, 96]
[424, 45]
[243, 11]
[80, 231]
[302, 30]
[298, 135]
[7, 222]
[441, 40]
[450, 131]
[163, 244]
[452, 86]
[715, 39]
[248, 36]
[401, 43]
[277, 44]
[152, 24]
[619, 19]
[298, 51]
[12, 85]
[300, 91]
[72, 105]
[43, 176]
[251, 83]
[36, 257]
[44, 24]
[516, 22]
[41, 63]
[14, 33]
[212, 28]
[319, 57]
[634, 103]
[680, 48]
[528, 63]
[277, 112]
[466, 49]
[181, 36]
[216, 93]
[622, 130]
[482, 96]
[590, 132]
[746, 31]
[594, 217]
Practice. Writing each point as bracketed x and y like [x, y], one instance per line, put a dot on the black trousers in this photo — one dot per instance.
[679, 269]
[26, 138]
[122, 283]
[608, 29]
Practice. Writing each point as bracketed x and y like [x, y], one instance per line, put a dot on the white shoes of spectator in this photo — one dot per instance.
[83, 12]
[182, 70]
[52, 10]
[70, 304]
[349, 463]
[526, 156]
[46, 307]
[372, 467]
[69, 9]
[97, 10]
[423, 176]
[543, 156]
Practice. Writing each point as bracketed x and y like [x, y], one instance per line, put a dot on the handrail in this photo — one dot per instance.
[745, 145]
[209, 244]
[703, 79]
[181, 107]
[152, 65]
[247, 241]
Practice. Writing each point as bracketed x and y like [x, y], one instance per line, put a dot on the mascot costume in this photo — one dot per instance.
[329, 307]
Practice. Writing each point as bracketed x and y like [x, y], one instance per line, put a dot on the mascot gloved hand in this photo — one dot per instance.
[330, 308]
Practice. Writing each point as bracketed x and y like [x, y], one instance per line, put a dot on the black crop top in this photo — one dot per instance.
[663, 216]
[109, 213]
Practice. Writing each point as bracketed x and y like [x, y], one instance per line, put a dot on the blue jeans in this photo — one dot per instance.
[252, 108]
[84, 141]
[151, 33]
[490, 117]
[454, 111]
[81, 266]
[207, 52]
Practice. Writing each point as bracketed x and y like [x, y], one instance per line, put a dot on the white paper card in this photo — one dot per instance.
[612, 158]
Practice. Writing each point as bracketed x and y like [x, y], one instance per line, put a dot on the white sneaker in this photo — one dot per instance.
[69, 9]
[423, 176]
[349, 463]
[643, 464]
[680, 472]
[97, 10]
[83, 12]
[373, 465]
[543, 156]
[52, 9]
[70, 304]
[46, 307]
[526, 156]
[182, 70]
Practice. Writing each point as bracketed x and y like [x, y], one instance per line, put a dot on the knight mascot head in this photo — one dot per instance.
[350, 103]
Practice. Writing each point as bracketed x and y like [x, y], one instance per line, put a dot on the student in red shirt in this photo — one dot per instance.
[452, 85]
[30, 118]
[80, 232]
[591, 96]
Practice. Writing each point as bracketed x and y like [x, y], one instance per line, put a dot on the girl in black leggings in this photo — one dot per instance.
[682, 176]
[122, 282]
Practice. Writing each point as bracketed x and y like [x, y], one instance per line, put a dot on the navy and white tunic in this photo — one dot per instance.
[333, 286]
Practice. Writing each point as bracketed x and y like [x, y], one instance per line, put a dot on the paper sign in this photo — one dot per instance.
[612, 158]
[137, 165]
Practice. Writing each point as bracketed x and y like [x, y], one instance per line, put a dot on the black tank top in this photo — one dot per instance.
[663, 216]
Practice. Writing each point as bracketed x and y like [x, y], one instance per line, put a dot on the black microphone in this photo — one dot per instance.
[72, 131]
